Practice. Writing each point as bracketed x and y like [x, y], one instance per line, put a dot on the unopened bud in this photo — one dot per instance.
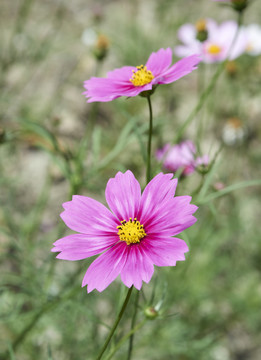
[151, 313]
[231, 68]
[101, 47]
[202, 32]
[239, 5]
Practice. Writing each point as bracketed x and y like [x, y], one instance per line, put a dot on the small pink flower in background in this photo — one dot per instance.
[133, 237]
[181, 156]
[131, 81]
[219, 43]
[253, 35]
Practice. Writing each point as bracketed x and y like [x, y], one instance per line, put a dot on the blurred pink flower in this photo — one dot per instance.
[181, 156]
[219, 43]
[133, 237]
[131, 81]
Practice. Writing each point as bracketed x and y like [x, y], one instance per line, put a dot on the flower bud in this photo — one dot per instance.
[151, 313]
[101, 47]
[239, 5]
[202, 32]
[231, 68]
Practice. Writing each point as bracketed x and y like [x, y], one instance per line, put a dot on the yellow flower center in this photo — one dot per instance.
[141, 76]
[131, 231]
[214, 49]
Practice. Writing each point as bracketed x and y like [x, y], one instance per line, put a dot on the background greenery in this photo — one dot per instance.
[53, 145]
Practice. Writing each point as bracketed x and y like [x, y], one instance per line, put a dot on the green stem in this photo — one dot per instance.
[133, 321]
[201, 86]
[122, 341]
[115, 324]
[148, 173]
[148, 178]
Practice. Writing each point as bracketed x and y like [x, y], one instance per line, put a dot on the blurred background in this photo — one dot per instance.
[53, 144]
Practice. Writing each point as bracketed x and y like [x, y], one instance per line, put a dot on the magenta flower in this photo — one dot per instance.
[181, 156]
[218, 45]
[131, 81]
[133, 237]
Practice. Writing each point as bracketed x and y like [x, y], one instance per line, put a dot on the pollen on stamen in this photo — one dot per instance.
[131, 231]
[141, 76]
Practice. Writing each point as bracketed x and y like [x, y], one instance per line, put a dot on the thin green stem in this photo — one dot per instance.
[133, 322]
[148, 178]
[148, 173]
[201, 86]
[122, 341]
[115, 324]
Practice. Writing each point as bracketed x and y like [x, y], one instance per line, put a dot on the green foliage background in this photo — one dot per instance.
[53, 145]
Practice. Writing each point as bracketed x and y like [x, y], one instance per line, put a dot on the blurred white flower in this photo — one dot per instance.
[234, 132]
[89, 37]
[253, 34]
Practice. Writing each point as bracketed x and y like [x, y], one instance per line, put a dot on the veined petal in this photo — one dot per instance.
[159, 61]
[180, 69]
[105, 268]
[160, 188]
[123, 195]
[164, 251]
[107, 89]
[88, 216]
[121, 74]
[172, 218]
[138, 267]
[80, 246]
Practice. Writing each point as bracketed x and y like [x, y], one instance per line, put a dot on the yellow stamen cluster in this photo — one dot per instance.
[214, 49]
[131, 231]
[141, 76]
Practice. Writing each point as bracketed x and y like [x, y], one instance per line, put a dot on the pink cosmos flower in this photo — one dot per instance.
[181, 156]
[136, 234]
[131, 81]
[218, 45]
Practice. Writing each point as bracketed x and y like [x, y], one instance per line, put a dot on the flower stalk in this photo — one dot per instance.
[110, 335]
[148, 171]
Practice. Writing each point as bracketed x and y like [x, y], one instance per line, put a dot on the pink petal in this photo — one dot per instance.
[80, 246]
[122, 74]
[106, 268]
[160, 188]
[138, 267]
[172, 218]
[187, 33]
[187, 50]
[123, 195]
[88, 216]
[180, 69]
[115, 85]
[164, 251]
[159, 61]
